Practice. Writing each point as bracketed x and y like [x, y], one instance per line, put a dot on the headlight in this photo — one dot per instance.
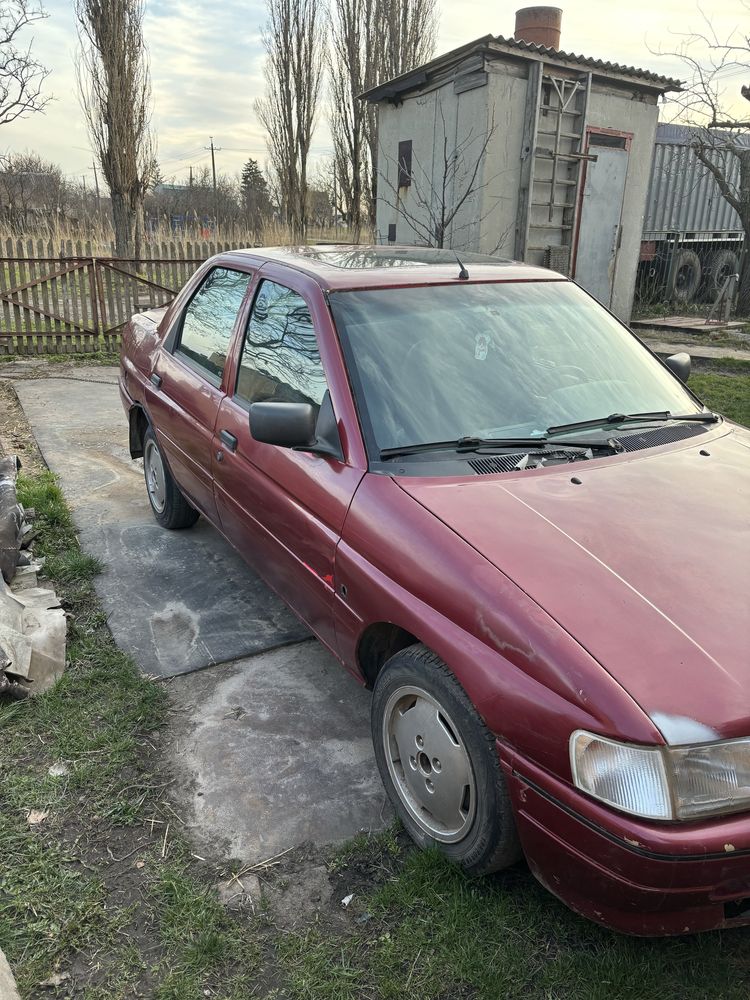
[665, 783]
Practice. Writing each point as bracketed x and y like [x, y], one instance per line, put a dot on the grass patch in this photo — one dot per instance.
[433, 932]
[728, 394]
[70, 891]
[87, 358]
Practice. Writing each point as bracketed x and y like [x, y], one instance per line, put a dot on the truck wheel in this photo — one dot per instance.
[169, 506]
[687, 276]
[439, 764]
[718, 267]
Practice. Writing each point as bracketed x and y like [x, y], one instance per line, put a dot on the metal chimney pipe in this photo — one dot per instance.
[539, 26]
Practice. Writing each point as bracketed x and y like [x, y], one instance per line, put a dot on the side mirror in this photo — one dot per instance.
[679, 365]
[300, 426]
[289, 425]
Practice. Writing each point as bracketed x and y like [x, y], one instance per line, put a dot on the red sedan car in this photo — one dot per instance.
[514, 523]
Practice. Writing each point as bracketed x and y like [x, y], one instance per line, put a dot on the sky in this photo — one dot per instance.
[207, 68]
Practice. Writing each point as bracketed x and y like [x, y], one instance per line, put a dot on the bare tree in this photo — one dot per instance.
[352, 44]
[371, 41]
[405, 33]
[21, 76]
[32, 190]
[712, 102]
[294, 43]
[115, 90]
[438, 201]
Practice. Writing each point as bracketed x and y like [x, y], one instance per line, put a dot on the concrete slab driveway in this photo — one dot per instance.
[177, 600]
[271, 749]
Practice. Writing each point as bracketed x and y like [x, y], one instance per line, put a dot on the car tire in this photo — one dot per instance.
[686, 276]
[717, 269]
[169, 506]
[451, 793]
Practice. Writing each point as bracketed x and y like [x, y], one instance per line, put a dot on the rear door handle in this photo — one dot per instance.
[156, 380]
[228, 440]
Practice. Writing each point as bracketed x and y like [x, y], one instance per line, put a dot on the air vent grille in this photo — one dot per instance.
[497, 463]
[639, 440]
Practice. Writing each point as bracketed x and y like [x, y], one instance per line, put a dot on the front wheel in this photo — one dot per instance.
[169, 506]
[439, 765]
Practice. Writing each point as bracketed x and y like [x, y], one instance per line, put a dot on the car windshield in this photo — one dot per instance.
[495, 360]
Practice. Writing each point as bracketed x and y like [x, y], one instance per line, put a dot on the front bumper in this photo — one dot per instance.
[630, 875]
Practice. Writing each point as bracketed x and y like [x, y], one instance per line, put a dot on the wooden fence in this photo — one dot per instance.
[69, 299]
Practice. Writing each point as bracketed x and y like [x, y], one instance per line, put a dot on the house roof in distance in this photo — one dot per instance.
[497, 46]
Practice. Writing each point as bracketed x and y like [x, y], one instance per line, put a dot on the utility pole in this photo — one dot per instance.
[96, 183]
[214, 149]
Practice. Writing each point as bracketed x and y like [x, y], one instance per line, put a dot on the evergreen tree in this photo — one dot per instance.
[256, 201]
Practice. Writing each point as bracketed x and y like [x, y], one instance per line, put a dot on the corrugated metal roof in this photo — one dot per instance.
[664, 82]
[493, 45]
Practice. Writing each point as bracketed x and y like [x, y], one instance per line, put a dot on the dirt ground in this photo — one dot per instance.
[15, 434]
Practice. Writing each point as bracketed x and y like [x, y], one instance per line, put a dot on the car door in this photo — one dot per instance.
[187, 382]
[284, 509]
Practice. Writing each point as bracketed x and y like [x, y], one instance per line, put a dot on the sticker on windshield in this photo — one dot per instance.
[481, 346]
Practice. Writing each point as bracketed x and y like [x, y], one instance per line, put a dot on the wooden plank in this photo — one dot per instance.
[84, 287]
[73, 311]
[43, 289]
[34, 274]
[6, 312]
[28, 320]
[16, 322]
[528, 146]
[99, 289]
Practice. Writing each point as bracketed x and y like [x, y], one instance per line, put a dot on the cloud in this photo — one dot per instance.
[207, 68]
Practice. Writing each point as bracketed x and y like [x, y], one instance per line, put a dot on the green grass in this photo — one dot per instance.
[87, 358]
[433, 933]
[54, 899]
[728, 394]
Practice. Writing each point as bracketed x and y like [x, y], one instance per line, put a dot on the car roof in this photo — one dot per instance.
[341, 266]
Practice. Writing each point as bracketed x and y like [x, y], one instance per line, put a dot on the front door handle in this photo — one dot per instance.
[228, 440]
[156, 380]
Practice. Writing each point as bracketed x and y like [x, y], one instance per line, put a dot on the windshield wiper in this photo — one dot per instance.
[634, 418]
[463, 444]
[477, 444]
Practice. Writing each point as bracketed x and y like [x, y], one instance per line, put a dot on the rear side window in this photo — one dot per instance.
[280, 360]
[209, 319]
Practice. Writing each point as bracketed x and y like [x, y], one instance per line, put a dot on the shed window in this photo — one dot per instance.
[404, 163]
[606, 139]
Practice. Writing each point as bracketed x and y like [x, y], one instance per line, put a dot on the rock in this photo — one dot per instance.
[8, 989]
[240, 893]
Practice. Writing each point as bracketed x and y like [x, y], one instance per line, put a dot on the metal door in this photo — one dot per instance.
[601, 215]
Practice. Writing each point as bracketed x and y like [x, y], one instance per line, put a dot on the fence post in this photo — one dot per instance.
[95, 322]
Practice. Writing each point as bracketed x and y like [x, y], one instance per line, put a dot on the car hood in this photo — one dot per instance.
[645, 562]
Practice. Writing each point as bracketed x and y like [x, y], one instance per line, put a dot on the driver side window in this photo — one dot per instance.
[280, 360]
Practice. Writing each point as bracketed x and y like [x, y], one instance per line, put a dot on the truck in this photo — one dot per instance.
[692, 237]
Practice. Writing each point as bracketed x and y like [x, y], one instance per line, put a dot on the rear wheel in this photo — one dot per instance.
[169, 506]
[718, 267]
[686, 278]
[439, 764]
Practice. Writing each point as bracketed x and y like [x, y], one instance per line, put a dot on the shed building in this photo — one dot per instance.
[512, 146]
